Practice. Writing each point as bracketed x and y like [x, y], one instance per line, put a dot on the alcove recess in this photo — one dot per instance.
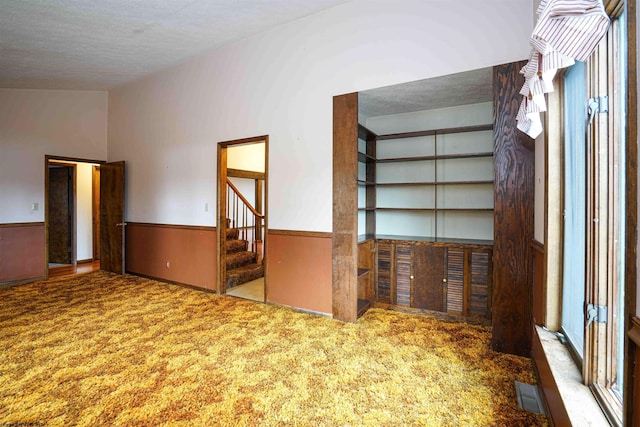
[421, 206]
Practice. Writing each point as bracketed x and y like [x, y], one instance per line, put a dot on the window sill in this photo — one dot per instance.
[580, 404]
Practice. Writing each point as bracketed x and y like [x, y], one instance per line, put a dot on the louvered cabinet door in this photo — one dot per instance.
[455, 281]
[403, 273]
[469, 282]
[384, 288]
[480, 286]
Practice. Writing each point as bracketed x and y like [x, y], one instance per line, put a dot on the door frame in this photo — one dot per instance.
[52, 159]
[221, 196]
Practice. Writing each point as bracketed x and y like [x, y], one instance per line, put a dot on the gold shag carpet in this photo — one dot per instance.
[107, 350]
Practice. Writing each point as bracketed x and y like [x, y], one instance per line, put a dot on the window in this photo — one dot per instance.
[594, 207]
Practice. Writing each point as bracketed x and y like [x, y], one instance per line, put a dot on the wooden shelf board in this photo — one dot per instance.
[435, 157]
[363, 305]
[445, 131]
[403, 238]
[403, 184]
[363, 157]
[436, 209]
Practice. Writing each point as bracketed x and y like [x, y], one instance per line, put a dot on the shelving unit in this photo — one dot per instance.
[437, 177]
[366, 181]
[413, 179]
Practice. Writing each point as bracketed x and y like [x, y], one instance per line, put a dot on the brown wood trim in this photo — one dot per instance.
[448, 244]
[174, 226]
[551, 395]
[631, 373]
[345, 207]
[445, 131]
[172, 282]
[539, 283]
[21, 282]
[537, 246]
[84, 261]
[300, 233]
[634, 332]
[21, 224]
[261, 138]
[53, 159]
[238, 173]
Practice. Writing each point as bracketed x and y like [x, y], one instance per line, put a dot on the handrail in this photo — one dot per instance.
[251, 208]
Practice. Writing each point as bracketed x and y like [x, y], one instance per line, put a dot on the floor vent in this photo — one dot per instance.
[529, 397]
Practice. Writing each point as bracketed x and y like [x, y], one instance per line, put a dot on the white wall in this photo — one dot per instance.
[249, 157]
[84, 211]
[34, 123]
[281, 83]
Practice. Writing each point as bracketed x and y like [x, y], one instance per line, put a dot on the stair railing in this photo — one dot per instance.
[246, 219]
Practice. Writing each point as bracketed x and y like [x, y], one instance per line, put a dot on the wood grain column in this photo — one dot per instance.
[345, 208]
[513, 218]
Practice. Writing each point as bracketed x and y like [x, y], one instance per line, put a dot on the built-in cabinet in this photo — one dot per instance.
[432, 192]
[456, 241]
[447, 277]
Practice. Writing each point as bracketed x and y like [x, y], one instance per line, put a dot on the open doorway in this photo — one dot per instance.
[242, 217]
[71, 216]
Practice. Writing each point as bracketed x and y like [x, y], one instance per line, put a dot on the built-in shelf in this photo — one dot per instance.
[434, 157]
[404, 184]
[363, 305]
[398, 208]
[432, 132]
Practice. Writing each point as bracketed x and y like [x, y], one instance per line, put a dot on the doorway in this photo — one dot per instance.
[242, 218]
[71, 215]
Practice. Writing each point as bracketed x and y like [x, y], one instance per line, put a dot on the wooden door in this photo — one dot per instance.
[112, 217]
[60, 214]
[428, 287]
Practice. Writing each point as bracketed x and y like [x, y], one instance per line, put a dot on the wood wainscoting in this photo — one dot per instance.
[539, 283]
[22, 254]
[299, 270]
[175, 253]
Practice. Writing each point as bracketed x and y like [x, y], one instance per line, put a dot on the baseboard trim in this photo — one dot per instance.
[300, 310]
[172, 282]
[21, 282]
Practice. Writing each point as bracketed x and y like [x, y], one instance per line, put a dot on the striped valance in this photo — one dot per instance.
[566, 31]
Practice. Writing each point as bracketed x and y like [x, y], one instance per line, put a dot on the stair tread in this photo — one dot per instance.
[247, 267]
[244, 274]
[235, 245]
[238, 259]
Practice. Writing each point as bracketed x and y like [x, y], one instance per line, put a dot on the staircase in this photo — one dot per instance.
[242, 265]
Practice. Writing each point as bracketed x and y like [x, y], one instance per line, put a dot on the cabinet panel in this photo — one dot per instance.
[427, 291]
[455, 280]
[385, 262]
[479, 295]
[403, 274]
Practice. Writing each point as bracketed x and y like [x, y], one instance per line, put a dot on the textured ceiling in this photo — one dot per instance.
[100, 44]
[470, 87]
